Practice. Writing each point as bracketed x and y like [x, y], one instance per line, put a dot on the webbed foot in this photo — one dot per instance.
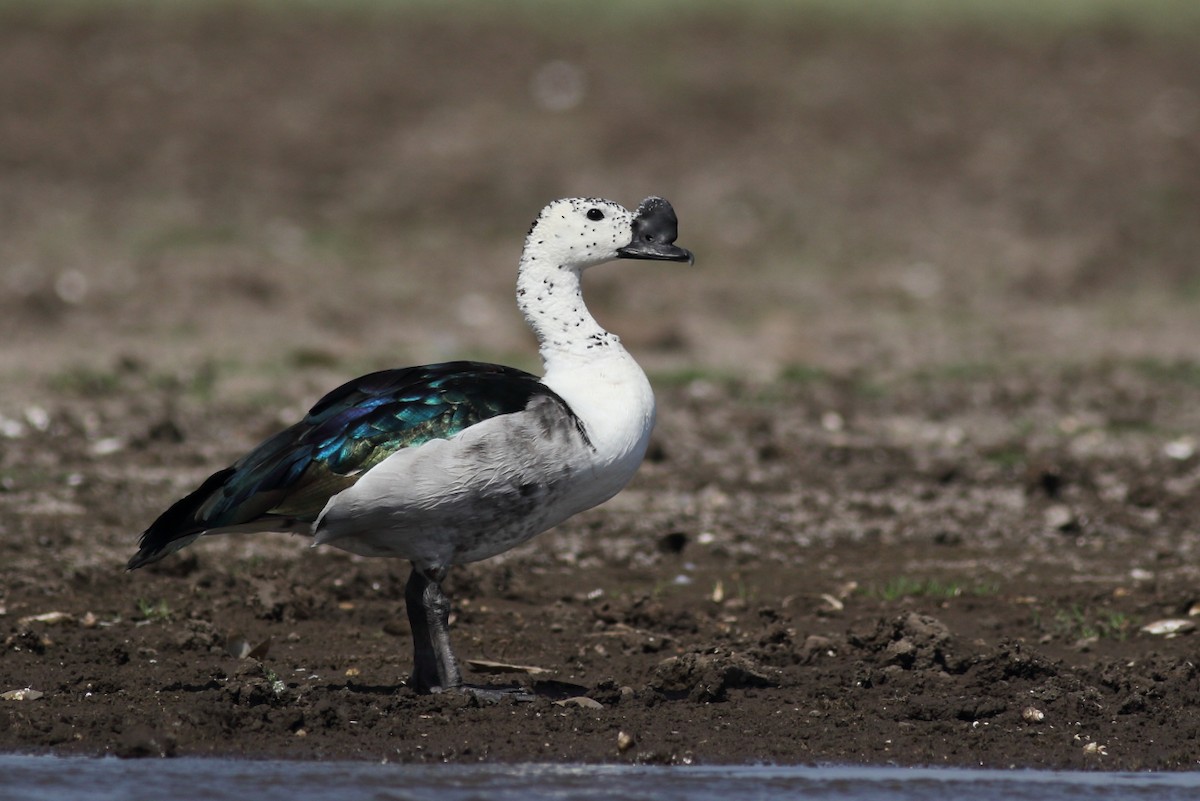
[494, 695]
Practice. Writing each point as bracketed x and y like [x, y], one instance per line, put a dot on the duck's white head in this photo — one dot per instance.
[569, 236]
[577, 233]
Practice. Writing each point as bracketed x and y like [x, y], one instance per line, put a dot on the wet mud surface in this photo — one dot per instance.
[893, 513]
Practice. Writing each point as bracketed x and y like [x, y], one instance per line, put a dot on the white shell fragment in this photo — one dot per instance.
[27, 694]
[832, 604]
[1171, 627]
[580, 701]
[49, 618]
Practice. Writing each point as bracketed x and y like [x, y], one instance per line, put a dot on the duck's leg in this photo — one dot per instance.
[434, 667]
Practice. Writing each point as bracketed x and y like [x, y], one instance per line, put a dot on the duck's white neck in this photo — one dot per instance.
[551, 299]
[590, 371]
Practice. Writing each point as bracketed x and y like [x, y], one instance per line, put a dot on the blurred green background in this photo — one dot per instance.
[248, 190]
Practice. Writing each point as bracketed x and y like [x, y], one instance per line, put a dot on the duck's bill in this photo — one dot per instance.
[658, 251]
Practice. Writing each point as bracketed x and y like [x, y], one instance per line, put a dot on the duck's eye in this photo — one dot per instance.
[595, 214]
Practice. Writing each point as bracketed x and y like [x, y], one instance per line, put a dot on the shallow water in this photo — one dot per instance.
[45, 778]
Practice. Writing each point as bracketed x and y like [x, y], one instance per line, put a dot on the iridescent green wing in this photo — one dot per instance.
[293, 474]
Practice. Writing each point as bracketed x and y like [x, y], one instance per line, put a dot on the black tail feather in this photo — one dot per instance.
[179, 522]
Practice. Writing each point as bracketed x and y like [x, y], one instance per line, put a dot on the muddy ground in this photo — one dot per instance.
[924, 487]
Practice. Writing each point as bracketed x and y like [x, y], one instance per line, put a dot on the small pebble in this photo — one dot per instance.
[1059, 516]
[625, 741]
[11, 429]
[1180, 449]
[106, 446]
[832, 421]
[37, 417]
[718, 593]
